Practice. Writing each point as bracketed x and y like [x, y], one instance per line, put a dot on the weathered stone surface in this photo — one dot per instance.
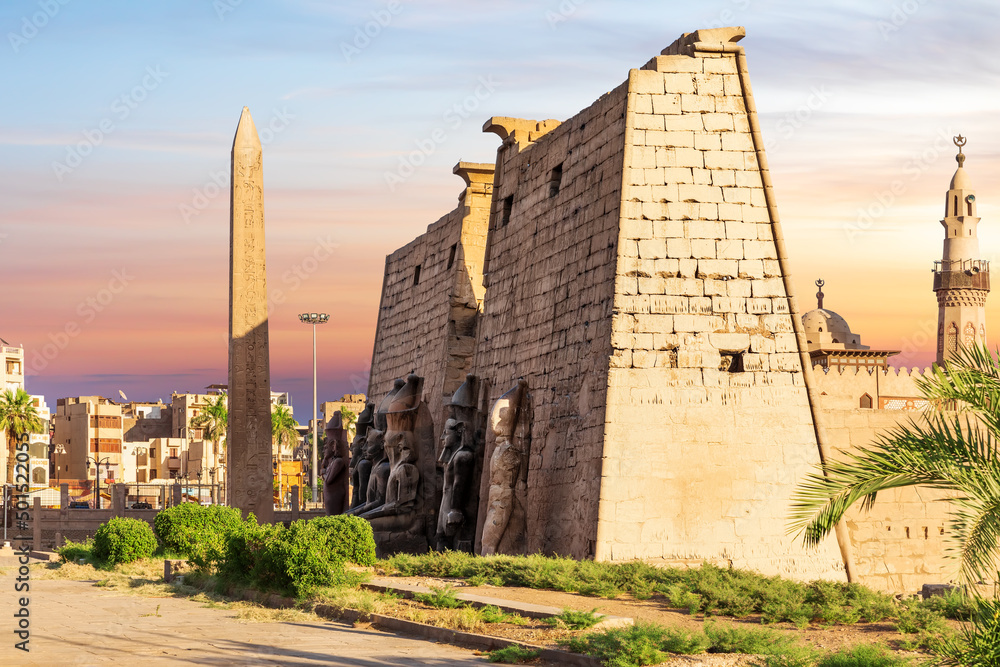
[249, 431]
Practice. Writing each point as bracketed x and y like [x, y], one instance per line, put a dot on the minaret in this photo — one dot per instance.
[961, 279]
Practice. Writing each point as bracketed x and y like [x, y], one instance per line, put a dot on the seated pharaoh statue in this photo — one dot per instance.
[402, 497]
[361, 463]
[375, 452]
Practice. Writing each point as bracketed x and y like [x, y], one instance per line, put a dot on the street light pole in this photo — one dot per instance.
[97, 468]
[314, 319]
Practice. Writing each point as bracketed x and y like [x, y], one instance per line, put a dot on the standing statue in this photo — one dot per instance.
[361, 463]
[505, 514]
[460, 493]
[334, 469]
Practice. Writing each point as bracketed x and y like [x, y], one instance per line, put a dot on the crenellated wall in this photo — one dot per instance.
[899, 544]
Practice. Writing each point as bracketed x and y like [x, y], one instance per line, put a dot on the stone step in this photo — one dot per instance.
[527, 609]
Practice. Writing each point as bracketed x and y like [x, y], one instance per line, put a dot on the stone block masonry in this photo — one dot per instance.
[630, 270]
[431, 296]
[708, 426]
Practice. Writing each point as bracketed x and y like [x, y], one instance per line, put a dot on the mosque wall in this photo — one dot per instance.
[899, 544]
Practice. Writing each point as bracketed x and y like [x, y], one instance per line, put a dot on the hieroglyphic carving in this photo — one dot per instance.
[249, 430]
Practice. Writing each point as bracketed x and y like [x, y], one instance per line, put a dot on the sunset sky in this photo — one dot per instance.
[118, 118]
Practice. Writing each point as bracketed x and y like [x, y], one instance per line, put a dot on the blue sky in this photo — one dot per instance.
[853, 97]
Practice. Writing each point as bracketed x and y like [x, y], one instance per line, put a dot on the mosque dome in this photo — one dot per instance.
[821, 320]
[826, 329]
[960, 181]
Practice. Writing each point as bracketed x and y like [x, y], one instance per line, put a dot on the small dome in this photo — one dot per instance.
[960, 181]
[825, 321]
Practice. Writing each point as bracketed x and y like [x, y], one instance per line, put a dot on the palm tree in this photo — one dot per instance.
[284, 429]
[214, 419]
[348, 419]
[954, 447]
[18, 416]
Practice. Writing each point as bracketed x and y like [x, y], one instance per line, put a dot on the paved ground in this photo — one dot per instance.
[74, 623]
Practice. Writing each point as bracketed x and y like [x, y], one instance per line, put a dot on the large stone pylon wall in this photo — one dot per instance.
[549, 278]
[431, 294]
[708, 425]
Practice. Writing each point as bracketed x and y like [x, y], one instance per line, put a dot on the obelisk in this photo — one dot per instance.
[249, 431]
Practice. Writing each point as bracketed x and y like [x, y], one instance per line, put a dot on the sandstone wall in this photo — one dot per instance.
[708, 428]
[431, 294]
[899, 544]
[547, 316]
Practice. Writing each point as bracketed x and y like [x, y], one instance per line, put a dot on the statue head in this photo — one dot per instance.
[358, 448]
[375, 445]
[402, 445]
[451, 439]
[503, 416]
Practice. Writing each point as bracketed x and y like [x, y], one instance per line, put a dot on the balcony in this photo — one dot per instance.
[962, 274]
[173, 463]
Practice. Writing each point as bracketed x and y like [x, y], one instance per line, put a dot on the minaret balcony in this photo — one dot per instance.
[962, 274]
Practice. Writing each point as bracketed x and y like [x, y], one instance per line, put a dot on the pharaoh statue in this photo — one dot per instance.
[375, 452]
[460, 444]
[400, 523]
[334, 469]
[505, 514]
[361, 464]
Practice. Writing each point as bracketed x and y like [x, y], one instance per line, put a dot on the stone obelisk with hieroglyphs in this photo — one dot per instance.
[249, 431]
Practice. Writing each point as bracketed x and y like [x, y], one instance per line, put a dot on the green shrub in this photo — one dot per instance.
[297, 559]
[492, 614]
[575, 620]
[122, 540]
[914, 617]
[512, 655]
[350, 538]
[979, 643]
[639, 644]
[863, 655]
[244, 548]
[196, 532]
[757, 641]
[954, 604]
[71, 551]
[440, 598]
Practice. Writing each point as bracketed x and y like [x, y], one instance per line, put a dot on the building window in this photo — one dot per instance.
[416, 275]
[953, 337]
[970, 334]
[508, 207]
[555, 181]
[731, 362]
[866, 402]
[451, 255]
